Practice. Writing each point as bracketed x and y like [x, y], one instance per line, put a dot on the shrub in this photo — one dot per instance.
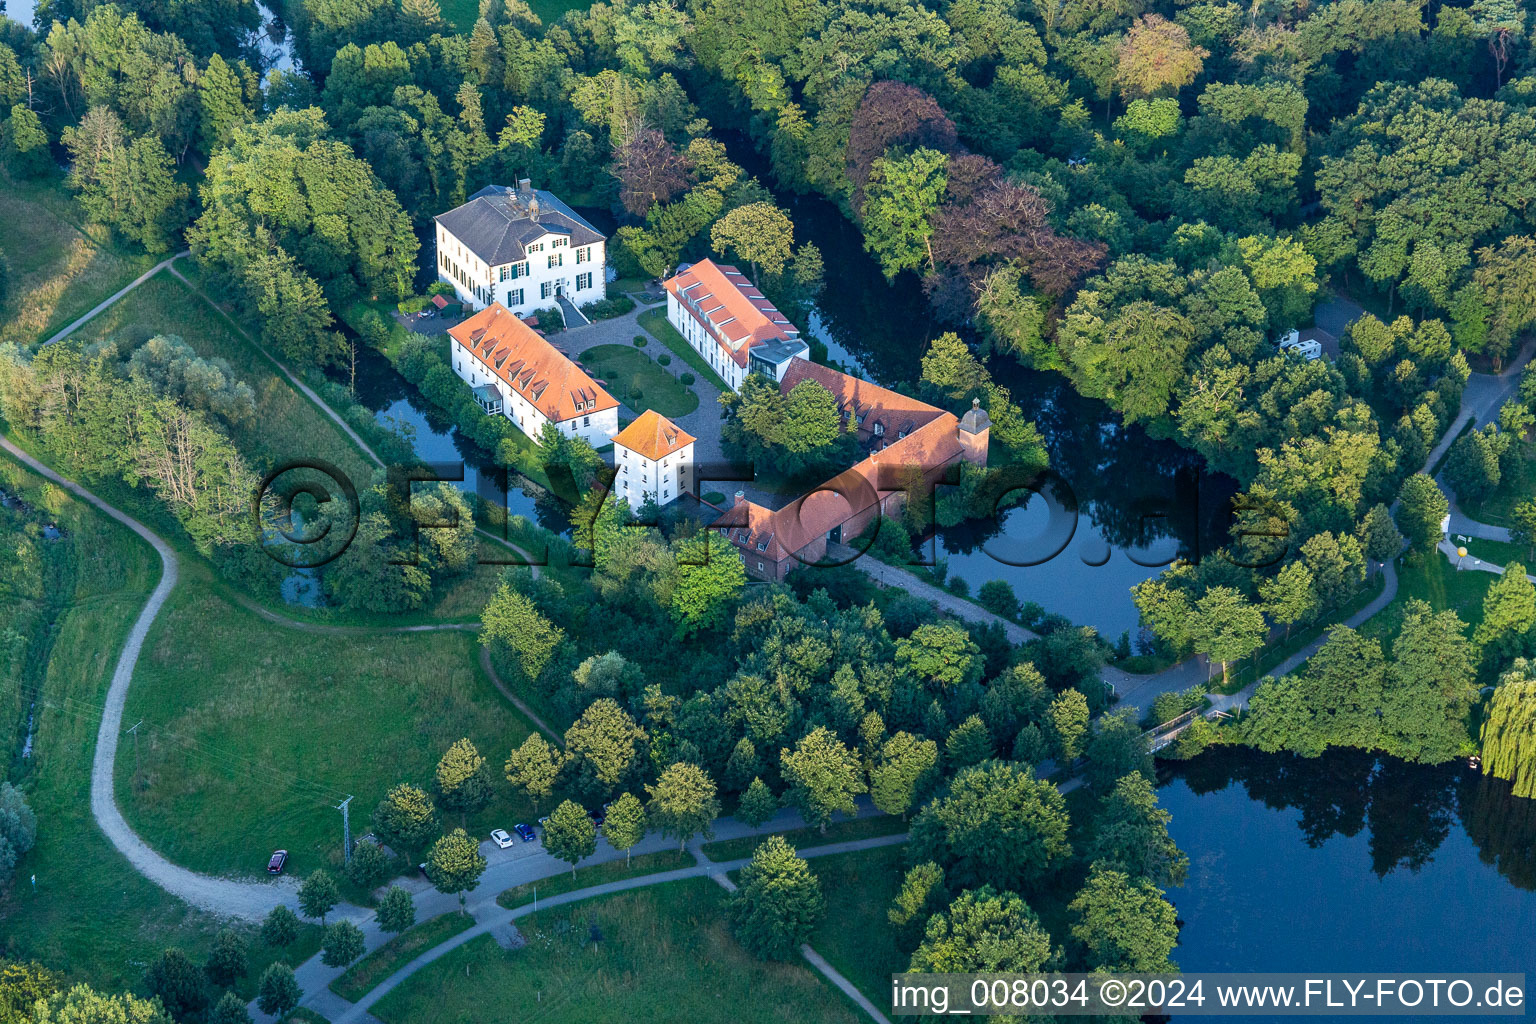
[439, 288]
[414, 304]
[641, 341]
[664, 359]
[686, 378]
[636, 394]
[604, 309]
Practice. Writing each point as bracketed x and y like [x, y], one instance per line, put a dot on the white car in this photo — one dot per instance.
[500, 837]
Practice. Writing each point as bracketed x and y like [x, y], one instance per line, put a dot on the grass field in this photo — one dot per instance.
[626, 368]
[597, 874]
[1433, 579]
[837, 832]
[856, 937]
[91, 915]
[286, 426]
[60, 267]
[655, 323]
[253, 733]
[665, 953]
[362, 976]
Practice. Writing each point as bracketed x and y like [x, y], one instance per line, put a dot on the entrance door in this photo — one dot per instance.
[836, 536]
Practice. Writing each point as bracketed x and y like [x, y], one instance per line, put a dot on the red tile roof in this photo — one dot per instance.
[873, 404]
[653, 436]
[737, 314]
[534, 368]
[931, 443]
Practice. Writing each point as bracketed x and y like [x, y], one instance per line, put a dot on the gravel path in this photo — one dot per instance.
[117, 295]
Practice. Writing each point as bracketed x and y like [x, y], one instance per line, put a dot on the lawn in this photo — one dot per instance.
[1433, 579]
[362, 976]
[597, 874]
[856, 937]
[664, 953]
[626, 369]
[837, 832]
[655, 323]
[286, 426]
[91, 915]
[60, 267]
[253, 733]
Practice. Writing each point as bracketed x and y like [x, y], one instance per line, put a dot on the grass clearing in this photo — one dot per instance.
[654, 322]
[1433, 579]
[362, 976]
[60, 266]
[286, 426]
[597, 874]
[254, 732]
[801, 838]
[627, 369]
[856, 937]
[91, 914]
[665, 954]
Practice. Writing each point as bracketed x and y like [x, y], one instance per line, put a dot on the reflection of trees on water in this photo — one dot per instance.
[1504, 828]
[1408, 808]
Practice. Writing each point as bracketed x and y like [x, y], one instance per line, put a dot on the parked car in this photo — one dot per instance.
[600, 816]
[278, 862]
[422, 867]
[525, 832]
[500, 838]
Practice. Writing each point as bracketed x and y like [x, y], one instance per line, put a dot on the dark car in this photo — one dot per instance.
[276, 864]
[598, 817]
[525, 832]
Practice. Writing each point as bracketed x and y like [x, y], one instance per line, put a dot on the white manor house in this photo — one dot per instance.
[522, 248]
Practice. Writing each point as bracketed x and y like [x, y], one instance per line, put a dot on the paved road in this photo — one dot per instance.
[117, 295]
[1226, 702]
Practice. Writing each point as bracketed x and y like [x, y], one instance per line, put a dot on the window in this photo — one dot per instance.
[559, 242]
[514, 296]
[759, 566]
[546, 289]
[586, 421]
[583, 254]
[556, 259]
[583, 281]
[506, 273]
[536, 247]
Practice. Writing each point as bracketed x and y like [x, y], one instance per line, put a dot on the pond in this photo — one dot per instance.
[1350, 862]
[1140, 502]
[396, 403]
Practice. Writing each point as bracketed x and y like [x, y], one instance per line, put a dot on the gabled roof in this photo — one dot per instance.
[496, 223]
[531, 366]
[738, 315]
[653, 436]
[763, 534]
[874, 405]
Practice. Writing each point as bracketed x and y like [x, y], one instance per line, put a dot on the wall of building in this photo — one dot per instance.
[486, 283]
[596, 428]
[704, 343]
[639, 477]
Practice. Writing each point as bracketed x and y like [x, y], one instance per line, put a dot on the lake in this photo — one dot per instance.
[1140, 502]
[1350, 862]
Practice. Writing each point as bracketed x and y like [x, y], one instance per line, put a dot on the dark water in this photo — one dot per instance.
[1140, 502]
[394, 402]
[1350, 862]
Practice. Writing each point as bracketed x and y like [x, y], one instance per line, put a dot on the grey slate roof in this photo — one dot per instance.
[494, 224]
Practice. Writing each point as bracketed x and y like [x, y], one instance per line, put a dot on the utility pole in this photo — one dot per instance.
[346, 831]
[134, 732]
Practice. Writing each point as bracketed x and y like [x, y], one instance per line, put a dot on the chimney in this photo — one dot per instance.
[524, 188]
[741, 497]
